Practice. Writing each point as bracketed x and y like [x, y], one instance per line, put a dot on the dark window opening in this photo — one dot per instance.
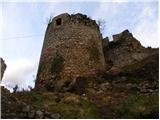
[59, 21]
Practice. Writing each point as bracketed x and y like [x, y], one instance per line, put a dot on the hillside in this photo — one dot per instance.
[127, 88]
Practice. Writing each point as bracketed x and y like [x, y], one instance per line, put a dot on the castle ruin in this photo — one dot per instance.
[72, 47]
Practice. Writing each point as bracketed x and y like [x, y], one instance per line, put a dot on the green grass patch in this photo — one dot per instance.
[138, 106]
[68, 110]
[82, 110]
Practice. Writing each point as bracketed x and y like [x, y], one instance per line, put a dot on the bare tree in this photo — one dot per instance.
[30, 88]
[102, 24]
[15, 89]
[34, 78]
[49, 19]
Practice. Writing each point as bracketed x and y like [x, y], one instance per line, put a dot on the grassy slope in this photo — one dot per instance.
[123, 103]
[130, 103]
[69, 106]
[138, 106]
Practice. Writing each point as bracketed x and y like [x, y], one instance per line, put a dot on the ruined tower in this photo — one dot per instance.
[72, 47]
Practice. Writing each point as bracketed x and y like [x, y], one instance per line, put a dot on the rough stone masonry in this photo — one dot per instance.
[72, 48]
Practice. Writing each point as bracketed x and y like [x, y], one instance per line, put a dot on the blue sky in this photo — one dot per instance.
[23, 26]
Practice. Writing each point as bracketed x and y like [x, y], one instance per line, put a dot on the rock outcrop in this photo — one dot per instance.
[3, 67]
[125, 50]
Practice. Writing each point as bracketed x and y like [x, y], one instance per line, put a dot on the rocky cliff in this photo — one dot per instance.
[125, 50]
[3, 67]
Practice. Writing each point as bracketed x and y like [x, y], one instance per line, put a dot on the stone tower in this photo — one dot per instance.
[72, 47]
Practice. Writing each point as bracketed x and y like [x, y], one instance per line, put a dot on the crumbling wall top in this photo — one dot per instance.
[73, 19]
[121, 36]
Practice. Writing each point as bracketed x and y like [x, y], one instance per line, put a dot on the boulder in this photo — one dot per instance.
[55, 116]
[31, 114]
[39, 114]
[26, 109]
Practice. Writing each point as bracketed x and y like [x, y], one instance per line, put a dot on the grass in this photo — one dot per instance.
[82, 109]
[68, 109]
[138, 106]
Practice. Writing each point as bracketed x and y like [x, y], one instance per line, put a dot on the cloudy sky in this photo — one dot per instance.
[23, 26]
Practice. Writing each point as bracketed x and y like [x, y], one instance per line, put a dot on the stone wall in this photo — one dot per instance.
[75, 46]
[126, 50]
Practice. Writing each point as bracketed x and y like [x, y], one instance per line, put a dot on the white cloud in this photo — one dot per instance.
[19, 72]
[21, 54]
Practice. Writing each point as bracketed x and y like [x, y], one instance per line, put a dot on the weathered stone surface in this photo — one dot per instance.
[13, 107]
[46, 113]
[72, 47]
[79, 85]
[55, 116]
[10, 105]
[26, 108]
[39, 114]
[125, 50]
[31, 114]
[3, 67]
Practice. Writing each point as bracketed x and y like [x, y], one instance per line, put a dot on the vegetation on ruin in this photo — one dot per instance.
[105, 42]
[57, 64]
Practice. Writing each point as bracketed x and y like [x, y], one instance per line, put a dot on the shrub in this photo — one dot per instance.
[57, 64]
[105, 42]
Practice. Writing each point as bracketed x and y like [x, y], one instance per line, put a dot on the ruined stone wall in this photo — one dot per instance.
[75, 45]
[126, 50]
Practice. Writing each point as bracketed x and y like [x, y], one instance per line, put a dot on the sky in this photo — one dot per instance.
[23, 26]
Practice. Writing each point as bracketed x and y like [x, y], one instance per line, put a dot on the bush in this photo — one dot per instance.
[57, 64]
[105, 42]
